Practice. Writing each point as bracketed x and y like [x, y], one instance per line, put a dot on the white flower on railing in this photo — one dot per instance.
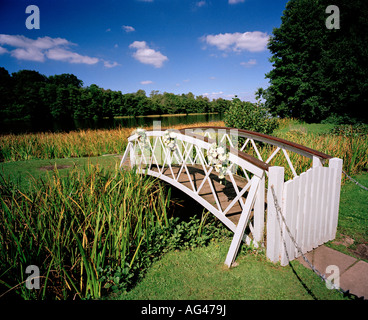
[142, 138]
[219, 159]
[169, 139]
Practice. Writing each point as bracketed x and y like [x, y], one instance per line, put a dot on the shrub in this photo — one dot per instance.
[249, 116]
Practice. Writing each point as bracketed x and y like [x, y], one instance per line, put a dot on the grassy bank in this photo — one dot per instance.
[200, 274]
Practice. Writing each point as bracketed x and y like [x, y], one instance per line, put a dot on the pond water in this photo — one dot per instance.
[19, 127]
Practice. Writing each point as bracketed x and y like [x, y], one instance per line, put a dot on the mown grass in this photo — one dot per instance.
[353, 218]
[200, 274]
[24, 173]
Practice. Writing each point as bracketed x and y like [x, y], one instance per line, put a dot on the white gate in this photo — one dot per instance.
[310, 206]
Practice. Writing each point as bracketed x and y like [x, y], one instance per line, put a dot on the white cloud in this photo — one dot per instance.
[3, 50]
[249, 63]
[42, 48]
[68, 56]
[146, 55]
[31, 53]
[146, 82]
[214, 95]
[109, 64]
[200, 4]
[128, 28]
[254, 41]
[235, 1]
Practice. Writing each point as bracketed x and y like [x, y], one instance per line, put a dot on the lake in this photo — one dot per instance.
[18, 127]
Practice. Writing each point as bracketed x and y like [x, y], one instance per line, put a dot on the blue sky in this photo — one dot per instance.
[215, 48]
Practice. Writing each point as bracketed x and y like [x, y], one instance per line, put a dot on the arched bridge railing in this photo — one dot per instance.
[211, 166]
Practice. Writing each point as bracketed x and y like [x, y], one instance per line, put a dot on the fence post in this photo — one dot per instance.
[259, 208]
[335, 163]
[316, 162]
[275, 179]
[132, 155]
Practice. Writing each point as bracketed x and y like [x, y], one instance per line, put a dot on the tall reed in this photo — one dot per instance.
[73, 227]
[82, 143]
[353, 151]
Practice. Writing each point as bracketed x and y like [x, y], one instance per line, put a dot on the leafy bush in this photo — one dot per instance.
[249, 116]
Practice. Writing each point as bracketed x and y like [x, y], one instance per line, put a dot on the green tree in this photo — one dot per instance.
[28, 102]
[319, 73]
[6, 93]
[65, 80]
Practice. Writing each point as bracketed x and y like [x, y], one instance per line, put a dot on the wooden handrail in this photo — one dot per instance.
[292, 146]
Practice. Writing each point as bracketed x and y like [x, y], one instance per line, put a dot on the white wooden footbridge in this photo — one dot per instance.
[244, 198]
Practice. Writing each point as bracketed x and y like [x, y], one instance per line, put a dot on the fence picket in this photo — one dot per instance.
[287, 205]
[318, 202]
[324, 204]
[336, 166]
[301, 213]
[276, 178]
[308, 209]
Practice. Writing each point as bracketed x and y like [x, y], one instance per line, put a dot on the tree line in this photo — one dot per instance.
[319, 73]
[27, 94]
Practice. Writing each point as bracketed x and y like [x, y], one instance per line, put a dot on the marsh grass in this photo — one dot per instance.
[74, 144]
[73, 227]
[353, 149]
[91, 231]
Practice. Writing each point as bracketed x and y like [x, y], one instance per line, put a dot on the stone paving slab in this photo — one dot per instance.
[355, 279]
[353, 273]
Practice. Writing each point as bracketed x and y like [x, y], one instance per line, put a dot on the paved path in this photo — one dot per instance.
[353, 272]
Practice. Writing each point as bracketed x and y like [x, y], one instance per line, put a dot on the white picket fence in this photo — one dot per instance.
[309, 204]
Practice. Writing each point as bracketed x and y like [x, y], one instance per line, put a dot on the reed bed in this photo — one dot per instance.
[76, 228]
[82, 143]
[353, 151]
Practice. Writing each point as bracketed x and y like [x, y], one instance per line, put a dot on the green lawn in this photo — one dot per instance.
[200, 274]
[353, 216]
[294, 125]
[24, 172]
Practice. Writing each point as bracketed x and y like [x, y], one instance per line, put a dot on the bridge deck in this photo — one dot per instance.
[225, 191]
